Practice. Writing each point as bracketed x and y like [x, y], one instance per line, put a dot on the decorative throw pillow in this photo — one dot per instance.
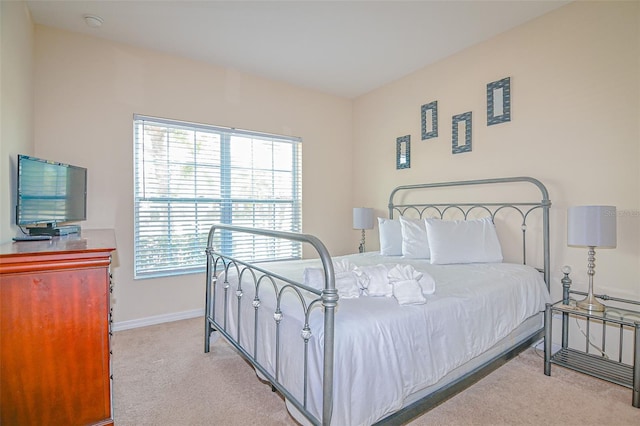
[390, 237]
[415, 244]
[463, 241]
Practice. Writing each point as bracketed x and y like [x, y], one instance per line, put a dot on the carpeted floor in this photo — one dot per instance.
[163, 377]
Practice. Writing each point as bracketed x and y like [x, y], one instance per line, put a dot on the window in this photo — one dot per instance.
[189, 176]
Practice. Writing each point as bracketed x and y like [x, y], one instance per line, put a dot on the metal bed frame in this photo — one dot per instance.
[327, 299]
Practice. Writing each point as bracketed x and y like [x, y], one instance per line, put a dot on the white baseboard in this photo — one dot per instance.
[157, 319]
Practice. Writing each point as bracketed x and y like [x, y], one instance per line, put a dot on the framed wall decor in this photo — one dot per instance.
[461, 133]
[403, 152]
[429, 120]
[499, 101]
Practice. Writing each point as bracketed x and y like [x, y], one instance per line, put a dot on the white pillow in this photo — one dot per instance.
[390, 237]
[415, 244]
[463, 241]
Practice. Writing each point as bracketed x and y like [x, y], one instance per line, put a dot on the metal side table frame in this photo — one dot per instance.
[581, 360]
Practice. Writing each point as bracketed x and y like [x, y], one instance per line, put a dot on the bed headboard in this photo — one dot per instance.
[495, 209]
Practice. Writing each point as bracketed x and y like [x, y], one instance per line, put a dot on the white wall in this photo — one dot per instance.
[16, 104]
[86, 92]
[575, 79]
[575, 126]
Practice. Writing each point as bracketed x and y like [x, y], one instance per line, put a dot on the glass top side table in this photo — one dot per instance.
[623, 316]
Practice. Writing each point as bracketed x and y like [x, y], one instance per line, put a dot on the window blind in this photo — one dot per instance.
[189, 176]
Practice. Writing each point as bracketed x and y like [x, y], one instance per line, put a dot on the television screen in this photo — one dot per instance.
[50, 192]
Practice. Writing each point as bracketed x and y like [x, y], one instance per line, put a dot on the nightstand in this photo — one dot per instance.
[622, 318]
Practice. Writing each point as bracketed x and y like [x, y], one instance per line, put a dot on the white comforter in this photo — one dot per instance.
[385, 351]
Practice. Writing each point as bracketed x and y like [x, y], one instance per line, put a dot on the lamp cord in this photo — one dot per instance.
[588, 337]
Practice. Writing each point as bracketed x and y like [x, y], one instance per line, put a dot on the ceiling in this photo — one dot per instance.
[344, 48]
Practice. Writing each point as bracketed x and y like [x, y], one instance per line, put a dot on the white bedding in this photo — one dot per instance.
[384, 351]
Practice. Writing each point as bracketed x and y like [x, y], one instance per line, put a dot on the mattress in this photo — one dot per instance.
[386, 355]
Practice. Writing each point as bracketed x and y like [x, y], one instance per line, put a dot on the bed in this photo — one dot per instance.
[378, 338]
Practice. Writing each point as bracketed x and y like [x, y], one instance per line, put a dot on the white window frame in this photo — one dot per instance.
[173, 215]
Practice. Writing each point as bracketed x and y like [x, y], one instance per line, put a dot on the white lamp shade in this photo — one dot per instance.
[362, 218]
[591, 226]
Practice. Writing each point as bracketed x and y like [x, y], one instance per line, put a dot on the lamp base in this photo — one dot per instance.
[590, 303]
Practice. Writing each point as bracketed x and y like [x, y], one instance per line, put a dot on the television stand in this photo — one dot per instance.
[55, 323]
[55, 231]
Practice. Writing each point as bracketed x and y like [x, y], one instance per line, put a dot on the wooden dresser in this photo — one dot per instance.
[55, 324]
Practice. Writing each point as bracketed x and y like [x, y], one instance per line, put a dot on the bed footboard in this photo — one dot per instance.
[219, 265]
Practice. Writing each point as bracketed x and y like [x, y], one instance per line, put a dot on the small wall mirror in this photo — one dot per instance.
[499, 101]
[429, 120]
[461, 133]
[403, 152]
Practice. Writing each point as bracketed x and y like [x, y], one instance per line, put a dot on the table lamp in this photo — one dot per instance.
[362, 219]
[591, 226]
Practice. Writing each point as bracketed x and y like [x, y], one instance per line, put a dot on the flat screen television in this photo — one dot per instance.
[50, 194]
